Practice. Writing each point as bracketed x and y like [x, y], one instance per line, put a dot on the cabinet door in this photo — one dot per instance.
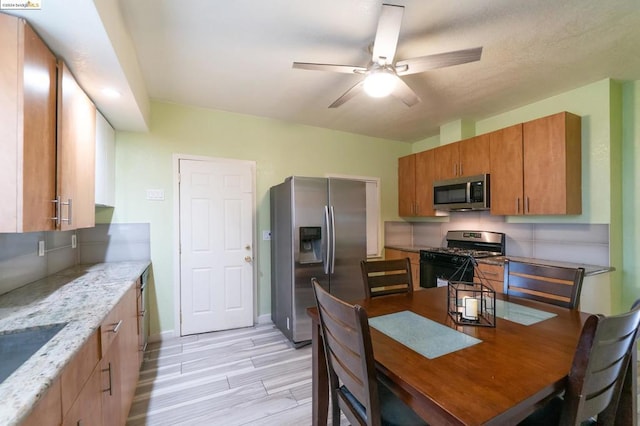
[446, 161]
[129, 365]
[506, 171]
[76, 153]
[87, 408]
[105, 162]
[406, 185]
[424, 178]
[111, 378]
[47, 411]
[27, 129]
[474, 156]
[552, 165]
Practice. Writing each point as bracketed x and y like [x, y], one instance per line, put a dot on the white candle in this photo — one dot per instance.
[470, 305]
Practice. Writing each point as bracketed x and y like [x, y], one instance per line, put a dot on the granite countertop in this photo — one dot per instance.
[80, 296]
[499, 260]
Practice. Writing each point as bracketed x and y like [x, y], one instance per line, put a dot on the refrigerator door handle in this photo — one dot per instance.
[333, 241]
[326, 240]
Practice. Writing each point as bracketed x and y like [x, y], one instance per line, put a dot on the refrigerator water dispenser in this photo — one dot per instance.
[310, 244]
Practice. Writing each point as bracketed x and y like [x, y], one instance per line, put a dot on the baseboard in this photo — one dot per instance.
[264, 319]
[162, 336]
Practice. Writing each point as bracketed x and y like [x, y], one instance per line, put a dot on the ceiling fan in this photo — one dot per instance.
[382, 75]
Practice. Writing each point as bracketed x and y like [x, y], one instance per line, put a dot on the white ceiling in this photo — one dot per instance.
[236, 56]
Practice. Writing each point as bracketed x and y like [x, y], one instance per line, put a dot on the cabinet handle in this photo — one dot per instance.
[526, 204]
[69, 204]
[110, 386]
[518, 205]
[58, 211]
[460, 169]
[117, 327]
[495, 274]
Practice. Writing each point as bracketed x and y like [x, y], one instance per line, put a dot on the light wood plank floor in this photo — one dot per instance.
[249, 376]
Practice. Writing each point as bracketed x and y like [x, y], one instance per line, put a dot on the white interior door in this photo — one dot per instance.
[216, 245]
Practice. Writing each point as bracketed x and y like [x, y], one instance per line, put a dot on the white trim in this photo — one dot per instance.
[264, 319]
[176, 233]
[377, 182]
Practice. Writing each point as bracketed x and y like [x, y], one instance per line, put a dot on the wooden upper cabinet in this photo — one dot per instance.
[474, 156]
[27, 129]
[536, 167]
[424, 184]
[469, 157]
[415, 185]
[76, 153]
[553, 165]
[445, 161]
[507, 176]
[406, 185]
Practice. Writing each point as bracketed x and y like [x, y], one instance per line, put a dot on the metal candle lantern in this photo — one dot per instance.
[471, 304]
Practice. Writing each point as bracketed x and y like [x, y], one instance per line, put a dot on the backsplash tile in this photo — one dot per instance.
[20, 263]
[576, 243]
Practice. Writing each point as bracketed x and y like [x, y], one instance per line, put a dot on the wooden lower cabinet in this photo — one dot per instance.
[490, 275]
[47, 411]
[87, 408]
[414, 258]
[97, 386]
[119, 363]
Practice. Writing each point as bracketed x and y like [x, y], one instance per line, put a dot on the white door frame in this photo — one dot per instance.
[176, 233]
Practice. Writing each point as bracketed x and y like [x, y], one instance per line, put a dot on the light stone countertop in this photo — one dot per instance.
[80, 296]
[589, 270]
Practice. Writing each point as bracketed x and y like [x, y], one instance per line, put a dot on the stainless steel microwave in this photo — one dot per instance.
[461, 194]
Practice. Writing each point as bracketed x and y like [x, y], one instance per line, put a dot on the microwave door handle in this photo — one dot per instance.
[468, 192]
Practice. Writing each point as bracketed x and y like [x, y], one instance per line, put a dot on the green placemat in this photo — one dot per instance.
[424, 336]
[521, 314]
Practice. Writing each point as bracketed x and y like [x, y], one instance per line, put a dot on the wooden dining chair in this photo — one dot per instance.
[382, 277]
[550, 284]
[353, 382]
[594, 384]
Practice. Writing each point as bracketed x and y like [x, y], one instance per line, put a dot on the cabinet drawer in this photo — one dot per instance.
[493, 276]
[116, 321]
[47, 410]
[76, 374]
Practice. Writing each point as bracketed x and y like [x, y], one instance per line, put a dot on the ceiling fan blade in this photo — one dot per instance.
[405, 93]
[357, 88]
[387, 34]
[346, 69]
[439, 60]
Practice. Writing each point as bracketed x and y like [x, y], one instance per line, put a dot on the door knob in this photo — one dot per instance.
[247, 247]
[248, 259]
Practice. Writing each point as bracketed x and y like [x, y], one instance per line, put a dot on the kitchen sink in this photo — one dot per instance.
[17, 346]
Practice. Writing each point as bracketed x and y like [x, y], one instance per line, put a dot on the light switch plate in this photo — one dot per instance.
[266, 235]
[41, 248]
[155, 194]
[74, 241]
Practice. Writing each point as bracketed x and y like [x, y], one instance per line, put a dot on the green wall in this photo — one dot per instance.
[631, 191]
[611, 160]
[145, 161]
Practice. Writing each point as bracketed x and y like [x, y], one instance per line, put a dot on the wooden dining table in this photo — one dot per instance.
[513, 371]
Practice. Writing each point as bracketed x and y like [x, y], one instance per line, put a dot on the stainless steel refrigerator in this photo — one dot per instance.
[318, 229]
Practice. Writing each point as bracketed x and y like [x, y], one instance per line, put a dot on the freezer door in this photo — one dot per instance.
[309, 201]
[347, 199]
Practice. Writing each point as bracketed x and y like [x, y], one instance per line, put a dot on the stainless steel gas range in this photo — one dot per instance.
[440, 264]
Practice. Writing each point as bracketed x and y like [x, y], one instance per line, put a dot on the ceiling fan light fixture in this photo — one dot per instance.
[379, 83]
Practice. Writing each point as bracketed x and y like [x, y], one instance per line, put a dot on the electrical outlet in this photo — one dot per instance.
[266, 235]
[74, 241]
[41, 248]
[155, 194]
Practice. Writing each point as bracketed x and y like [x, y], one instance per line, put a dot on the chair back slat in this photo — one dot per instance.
[599, 367]
[382, 277]
[550, 284]
[349, 353]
